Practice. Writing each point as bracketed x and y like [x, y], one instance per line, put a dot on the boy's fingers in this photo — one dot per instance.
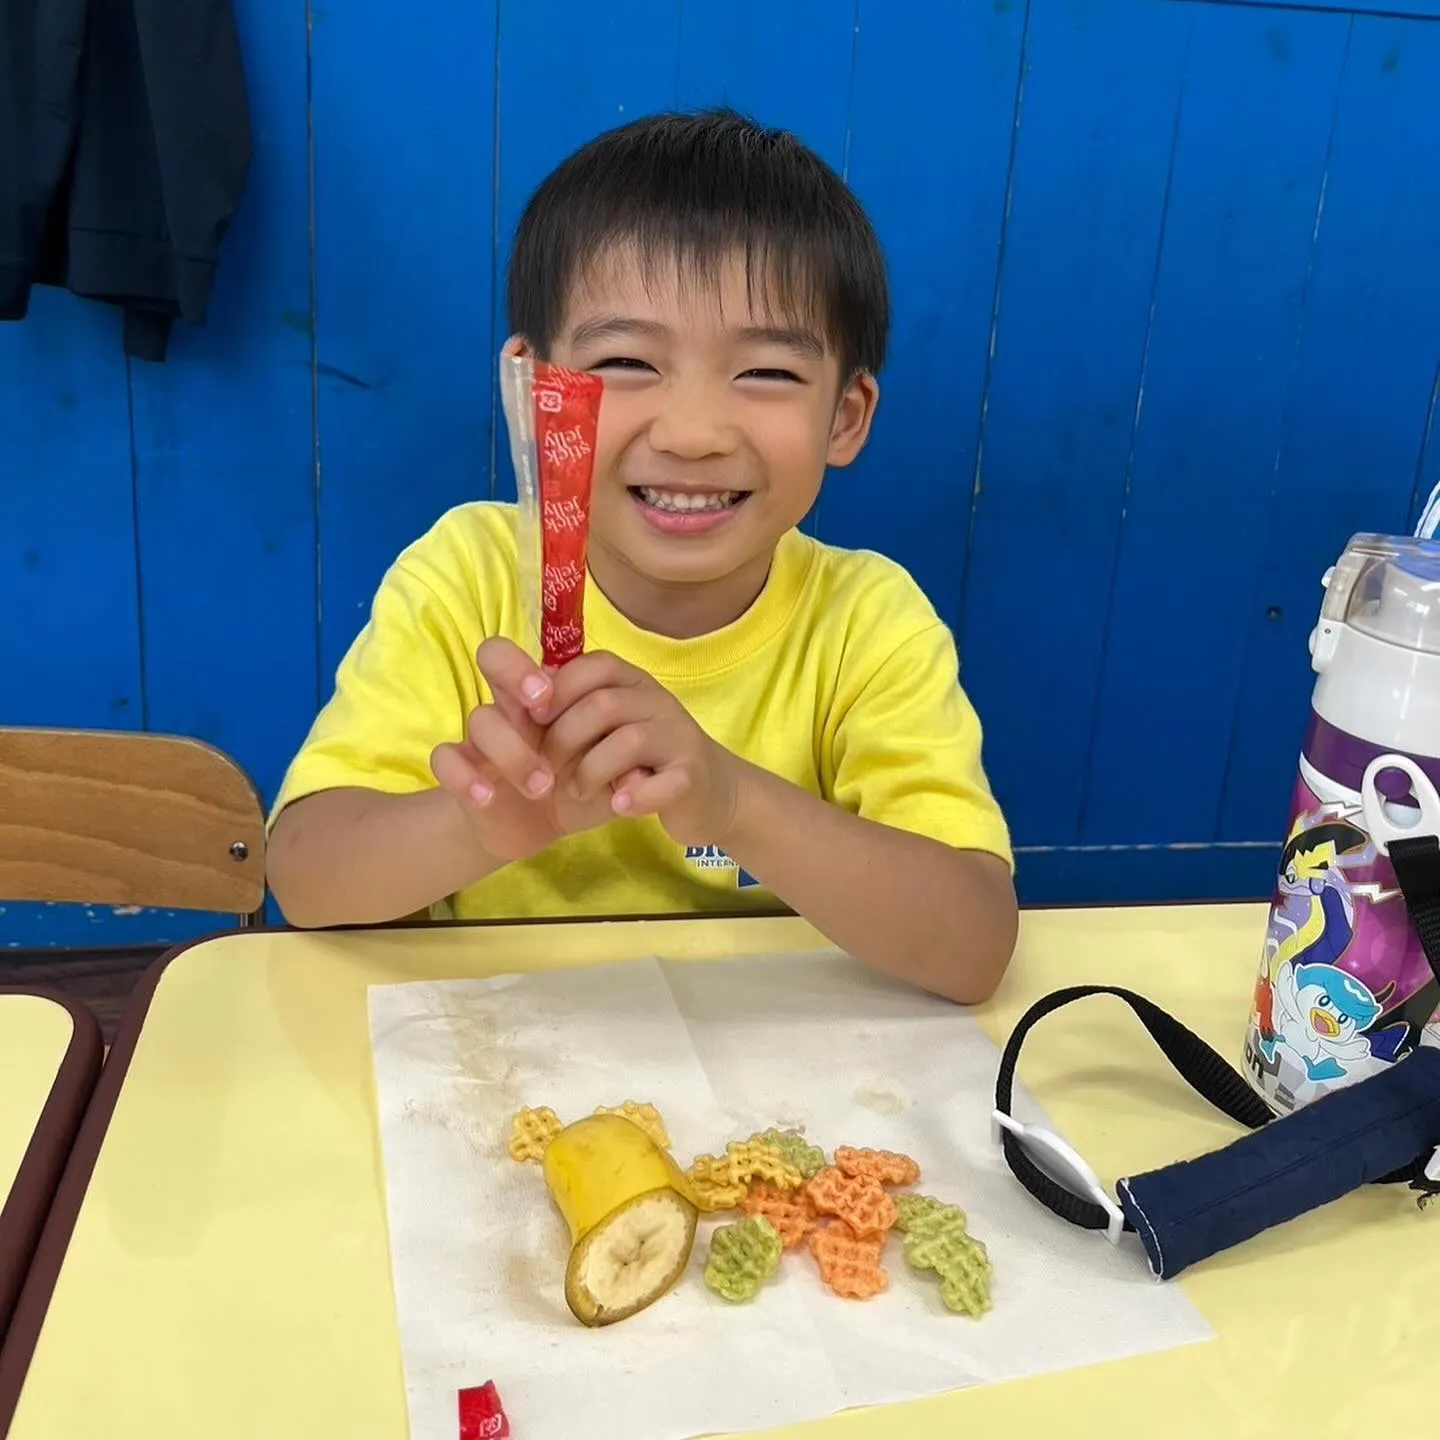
[630, 777]
[618, 754]
[460, 773]
[516, 761]
[595, 670]
[588, 721]
[524, 722]
[649, 794]
[510, 671]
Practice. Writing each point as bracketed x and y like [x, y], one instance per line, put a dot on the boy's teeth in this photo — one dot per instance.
[681, 500]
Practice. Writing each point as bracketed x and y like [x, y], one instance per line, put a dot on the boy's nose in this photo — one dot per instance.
[691, 423]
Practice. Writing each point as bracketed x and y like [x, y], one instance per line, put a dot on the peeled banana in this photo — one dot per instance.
[631, 1218]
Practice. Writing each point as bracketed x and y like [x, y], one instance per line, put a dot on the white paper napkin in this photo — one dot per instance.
[723, 1049]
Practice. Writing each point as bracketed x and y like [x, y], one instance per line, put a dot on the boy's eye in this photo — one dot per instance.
[768, 374]
[622, 362]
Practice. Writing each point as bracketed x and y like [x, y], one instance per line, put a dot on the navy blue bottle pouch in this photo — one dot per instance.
[1382, 1130]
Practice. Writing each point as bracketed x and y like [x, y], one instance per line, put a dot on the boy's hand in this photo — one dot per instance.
[618, 737]
[498, 773]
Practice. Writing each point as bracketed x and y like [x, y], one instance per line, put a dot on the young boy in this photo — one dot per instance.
[758, 718]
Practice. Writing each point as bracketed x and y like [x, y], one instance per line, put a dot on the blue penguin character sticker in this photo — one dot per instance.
[1321, 1014]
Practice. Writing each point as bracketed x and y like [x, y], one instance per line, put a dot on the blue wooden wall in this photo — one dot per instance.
[1167, 328]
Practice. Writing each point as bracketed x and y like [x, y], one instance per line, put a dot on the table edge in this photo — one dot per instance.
[25, 1212]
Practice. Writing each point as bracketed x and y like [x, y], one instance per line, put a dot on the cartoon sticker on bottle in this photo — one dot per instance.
[1334, 997]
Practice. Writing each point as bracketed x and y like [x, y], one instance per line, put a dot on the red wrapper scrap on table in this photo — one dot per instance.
[552, 414]
[482, 1416]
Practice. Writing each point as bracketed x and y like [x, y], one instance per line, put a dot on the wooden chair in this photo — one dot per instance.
[110, 818]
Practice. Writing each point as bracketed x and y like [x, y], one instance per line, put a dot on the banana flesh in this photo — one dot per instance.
[631, 1221]
[631, 1261]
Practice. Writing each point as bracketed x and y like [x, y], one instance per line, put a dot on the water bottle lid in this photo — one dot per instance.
[1425, 564]
[1388, 587]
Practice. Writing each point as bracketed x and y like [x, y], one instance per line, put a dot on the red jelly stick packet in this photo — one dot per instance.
[552, 414]
[482, 1416]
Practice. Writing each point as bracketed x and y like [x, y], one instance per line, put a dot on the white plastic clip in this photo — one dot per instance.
[1061, 1163]
[1378, 822]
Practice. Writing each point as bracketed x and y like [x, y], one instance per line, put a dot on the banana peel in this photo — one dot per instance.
[631, 1214]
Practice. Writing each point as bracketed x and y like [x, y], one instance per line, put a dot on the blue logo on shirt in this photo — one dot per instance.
[712, 857]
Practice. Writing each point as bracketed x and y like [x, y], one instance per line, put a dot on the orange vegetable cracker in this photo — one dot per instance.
[791, 1213]
[884, 1167]
[849, 1265]
[862, 1204]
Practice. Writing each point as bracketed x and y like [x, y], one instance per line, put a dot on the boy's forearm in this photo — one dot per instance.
[942, 919]
[360, 857]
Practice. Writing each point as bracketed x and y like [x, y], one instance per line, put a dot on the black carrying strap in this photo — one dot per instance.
[1416, 862]
[1196, 1063]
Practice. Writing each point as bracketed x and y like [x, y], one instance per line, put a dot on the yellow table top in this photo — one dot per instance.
[35, 1033]
[228, 1273]
[49, 1054]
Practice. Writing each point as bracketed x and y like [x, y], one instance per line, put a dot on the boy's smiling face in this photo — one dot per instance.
[719, 419]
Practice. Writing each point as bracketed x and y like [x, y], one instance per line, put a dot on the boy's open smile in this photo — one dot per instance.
[687, 511]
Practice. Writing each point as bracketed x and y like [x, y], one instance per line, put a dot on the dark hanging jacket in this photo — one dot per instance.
[124, 147]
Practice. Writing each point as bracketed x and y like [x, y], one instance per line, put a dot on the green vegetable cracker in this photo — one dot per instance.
[743, 1256]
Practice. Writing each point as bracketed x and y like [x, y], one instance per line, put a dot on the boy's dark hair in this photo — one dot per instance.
[695, 189]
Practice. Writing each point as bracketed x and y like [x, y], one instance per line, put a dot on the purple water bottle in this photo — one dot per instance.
[1344, 988]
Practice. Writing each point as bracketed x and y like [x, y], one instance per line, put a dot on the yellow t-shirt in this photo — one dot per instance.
[840, 678]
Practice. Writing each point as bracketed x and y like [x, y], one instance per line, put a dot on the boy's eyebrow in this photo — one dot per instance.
[801, 342]
[621, 327]
[616, 327]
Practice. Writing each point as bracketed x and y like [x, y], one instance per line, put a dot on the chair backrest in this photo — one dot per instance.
[110, 818]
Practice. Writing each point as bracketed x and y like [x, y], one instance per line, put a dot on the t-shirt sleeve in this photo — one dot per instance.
[406, 685]
[907, 750]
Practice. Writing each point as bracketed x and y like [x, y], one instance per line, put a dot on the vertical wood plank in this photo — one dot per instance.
[224, 457]
[69, 622]
[744, 55]
[931, 118]
[1360, 399]
[1102, 91]
[1245, 187]
[404, 188]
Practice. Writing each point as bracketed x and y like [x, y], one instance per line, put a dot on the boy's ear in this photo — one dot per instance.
[853, 416]
[516, 345]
